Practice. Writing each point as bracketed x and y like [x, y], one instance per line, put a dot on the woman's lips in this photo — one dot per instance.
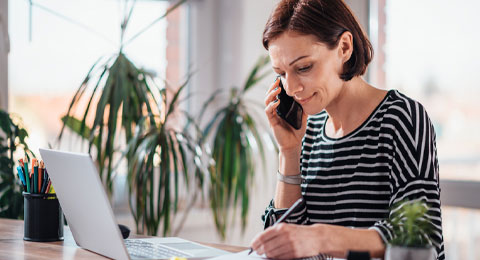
[305, 100]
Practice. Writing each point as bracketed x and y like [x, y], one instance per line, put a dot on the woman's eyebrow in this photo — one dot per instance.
[295, 60]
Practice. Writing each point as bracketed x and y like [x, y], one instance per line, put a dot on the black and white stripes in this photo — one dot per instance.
[354, 180]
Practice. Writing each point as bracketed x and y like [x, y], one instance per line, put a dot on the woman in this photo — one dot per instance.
[361, 150]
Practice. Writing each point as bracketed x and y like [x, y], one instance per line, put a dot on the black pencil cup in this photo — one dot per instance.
[43, 218]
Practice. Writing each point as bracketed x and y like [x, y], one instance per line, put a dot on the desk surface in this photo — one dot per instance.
[12, 245]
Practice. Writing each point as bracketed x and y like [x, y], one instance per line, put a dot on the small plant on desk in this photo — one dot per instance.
[411, 232]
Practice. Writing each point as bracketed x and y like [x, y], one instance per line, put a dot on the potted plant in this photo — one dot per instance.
[12, 137]
[159, 173]
[411, 232]
[124, 103]
[237, 142]
[155, 186]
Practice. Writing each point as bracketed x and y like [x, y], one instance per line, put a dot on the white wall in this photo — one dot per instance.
[225, 41]
[4, 49]
[361, 11]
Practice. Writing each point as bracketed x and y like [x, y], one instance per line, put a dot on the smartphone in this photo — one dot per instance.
[289, 109]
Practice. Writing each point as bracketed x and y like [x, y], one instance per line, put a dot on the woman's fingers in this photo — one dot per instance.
[272, 93]
[268, 235]
[262, 238]
[275, 242]
[277, 247]
[271, 111]
[274, 85]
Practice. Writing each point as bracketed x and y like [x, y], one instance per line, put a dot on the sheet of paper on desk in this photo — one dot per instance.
[244, 255]
[239, 255]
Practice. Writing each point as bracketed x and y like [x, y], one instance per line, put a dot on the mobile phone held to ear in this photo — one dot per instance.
[289, 109]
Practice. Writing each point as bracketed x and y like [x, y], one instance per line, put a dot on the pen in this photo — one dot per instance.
[45, 181]
[285, 215]
[35, 176]
[27, 176]
[41, 169]
[22, 177]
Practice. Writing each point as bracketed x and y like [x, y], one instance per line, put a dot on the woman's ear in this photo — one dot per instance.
[345, 46]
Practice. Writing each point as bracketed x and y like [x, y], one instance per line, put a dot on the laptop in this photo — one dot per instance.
[91, 219]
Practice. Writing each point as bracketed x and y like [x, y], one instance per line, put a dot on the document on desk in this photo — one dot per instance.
[239, 256]
[244, 255]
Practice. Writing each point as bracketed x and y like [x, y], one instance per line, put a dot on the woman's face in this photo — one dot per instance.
[309, 70]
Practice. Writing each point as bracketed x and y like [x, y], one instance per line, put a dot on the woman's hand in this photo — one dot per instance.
[287, 137]
[287, 241]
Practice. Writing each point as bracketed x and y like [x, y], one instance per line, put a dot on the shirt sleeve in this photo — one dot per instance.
[272, 214]
[414, 169]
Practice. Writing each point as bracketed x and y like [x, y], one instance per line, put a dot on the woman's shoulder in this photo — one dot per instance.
[401, 107]
[405, 117]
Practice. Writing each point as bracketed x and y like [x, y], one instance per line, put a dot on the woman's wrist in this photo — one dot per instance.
[289, 161]
[291, 151]
[323, 238]
[336, 241]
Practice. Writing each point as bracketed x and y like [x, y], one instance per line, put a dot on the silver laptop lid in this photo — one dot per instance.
[84, 203]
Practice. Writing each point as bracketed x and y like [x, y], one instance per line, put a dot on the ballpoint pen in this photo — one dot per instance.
[285, 215]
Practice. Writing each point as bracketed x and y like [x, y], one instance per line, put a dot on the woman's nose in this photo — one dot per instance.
[292, 85]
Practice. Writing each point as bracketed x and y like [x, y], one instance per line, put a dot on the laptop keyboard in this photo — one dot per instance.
[144, 249]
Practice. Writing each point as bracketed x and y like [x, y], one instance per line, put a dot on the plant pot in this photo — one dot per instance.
[409, 253]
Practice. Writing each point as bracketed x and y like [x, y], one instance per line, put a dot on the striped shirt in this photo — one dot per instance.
[354, 180]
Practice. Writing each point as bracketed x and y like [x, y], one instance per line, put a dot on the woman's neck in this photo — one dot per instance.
[353, 105]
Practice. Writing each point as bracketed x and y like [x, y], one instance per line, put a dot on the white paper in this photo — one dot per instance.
[240, 255]
[244, 255]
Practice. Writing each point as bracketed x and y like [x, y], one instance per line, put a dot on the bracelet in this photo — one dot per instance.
[290, 179]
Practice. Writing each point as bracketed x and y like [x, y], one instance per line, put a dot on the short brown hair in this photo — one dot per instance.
[327, 20]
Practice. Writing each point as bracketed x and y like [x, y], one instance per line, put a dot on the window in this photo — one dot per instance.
[66, 39]
[432, 56]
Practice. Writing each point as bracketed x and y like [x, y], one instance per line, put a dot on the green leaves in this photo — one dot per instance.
[411, 225]
[254, 76]
[236, 140]
[159, 170]
[123, 100]
[12, 137]
[122, 109]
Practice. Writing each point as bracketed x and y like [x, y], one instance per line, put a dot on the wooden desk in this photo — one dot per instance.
[12, 245]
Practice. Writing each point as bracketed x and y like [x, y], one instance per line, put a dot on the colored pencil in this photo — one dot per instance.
[27, 175]
[35, 176]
